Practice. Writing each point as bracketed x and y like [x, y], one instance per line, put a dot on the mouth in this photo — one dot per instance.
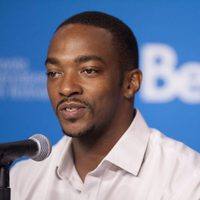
[72, 110]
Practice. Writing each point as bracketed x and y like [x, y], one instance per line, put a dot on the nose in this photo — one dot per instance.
[70, 86]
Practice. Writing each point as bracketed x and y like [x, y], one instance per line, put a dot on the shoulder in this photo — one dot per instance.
[178, 162]
[174, 149]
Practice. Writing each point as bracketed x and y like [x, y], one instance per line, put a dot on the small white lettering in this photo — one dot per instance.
[18, 82]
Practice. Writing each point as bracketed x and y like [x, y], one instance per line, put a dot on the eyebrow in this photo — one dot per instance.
[79, 59]
[87, 58]
[51, 61]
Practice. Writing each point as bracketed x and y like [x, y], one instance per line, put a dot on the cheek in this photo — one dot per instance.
[106, 108]
[52, 92]
[105, 96]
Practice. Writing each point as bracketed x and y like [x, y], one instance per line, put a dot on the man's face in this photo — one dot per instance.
[83, 80]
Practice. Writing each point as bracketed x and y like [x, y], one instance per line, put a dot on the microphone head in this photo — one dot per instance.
[44, 147]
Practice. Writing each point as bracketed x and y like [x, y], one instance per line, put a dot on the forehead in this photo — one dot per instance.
[78, 37]
[82, 29]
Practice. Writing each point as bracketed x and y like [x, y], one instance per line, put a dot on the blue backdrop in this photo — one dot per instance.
[168, 36]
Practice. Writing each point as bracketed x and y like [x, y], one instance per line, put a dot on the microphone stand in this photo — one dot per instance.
[6, 159]
[5, 181]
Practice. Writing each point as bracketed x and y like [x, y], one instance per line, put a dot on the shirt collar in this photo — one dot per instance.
[129, 151]
[65, 160]
[65, 168]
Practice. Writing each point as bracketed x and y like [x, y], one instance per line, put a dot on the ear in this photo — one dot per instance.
[132, 82]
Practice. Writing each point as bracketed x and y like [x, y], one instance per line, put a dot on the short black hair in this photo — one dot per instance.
[124, 38]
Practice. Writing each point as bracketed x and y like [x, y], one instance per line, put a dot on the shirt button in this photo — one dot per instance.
[79, 191]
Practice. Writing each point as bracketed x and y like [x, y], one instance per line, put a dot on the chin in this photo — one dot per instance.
[75, 133]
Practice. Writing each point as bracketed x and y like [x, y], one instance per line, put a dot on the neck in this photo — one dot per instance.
[89, 151]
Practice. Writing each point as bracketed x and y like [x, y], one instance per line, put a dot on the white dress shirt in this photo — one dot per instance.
[143, 165]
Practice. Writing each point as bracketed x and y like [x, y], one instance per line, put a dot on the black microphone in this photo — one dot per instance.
[37, 147]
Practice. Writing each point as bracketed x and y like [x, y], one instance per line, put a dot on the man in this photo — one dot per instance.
[93, 76]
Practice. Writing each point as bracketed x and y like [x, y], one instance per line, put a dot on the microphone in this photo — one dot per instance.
[37, 147]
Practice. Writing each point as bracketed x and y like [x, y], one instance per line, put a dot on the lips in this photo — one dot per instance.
[71, 110]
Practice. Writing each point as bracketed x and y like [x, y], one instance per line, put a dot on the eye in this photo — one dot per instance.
[90, 71]
[53, 74]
